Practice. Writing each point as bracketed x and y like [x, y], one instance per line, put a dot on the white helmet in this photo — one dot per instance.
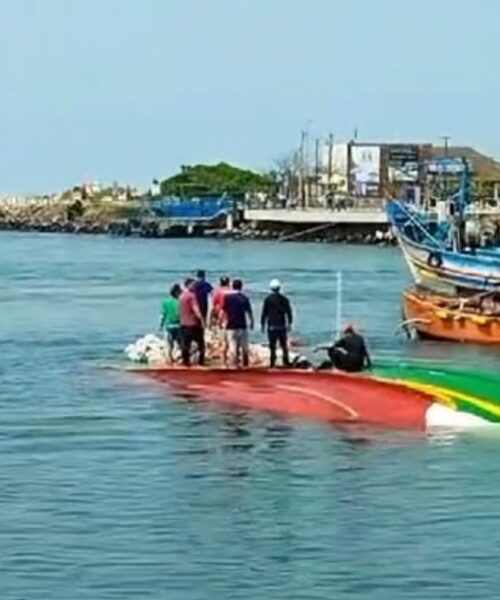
[275, 285]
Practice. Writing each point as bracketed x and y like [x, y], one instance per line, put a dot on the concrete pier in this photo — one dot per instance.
[317, 216]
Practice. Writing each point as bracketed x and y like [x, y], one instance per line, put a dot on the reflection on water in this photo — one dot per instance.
[112, 489]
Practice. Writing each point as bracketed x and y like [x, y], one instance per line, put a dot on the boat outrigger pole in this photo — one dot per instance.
[416, 222]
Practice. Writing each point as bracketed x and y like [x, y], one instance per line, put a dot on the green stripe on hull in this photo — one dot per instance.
[472, 391]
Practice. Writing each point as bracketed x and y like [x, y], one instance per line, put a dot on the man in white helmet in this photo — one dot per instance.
[277, 319]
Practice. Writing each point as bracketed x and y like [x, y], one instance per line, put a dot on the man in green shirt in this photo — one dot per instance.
[170, 320]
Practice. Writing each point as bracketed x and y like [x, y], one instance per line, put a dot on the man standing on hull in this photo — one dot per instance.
[277, 318]
[238, 319]
[224, 288]
[192, 325]
[202, 290]
[217, 317]
[170, 322]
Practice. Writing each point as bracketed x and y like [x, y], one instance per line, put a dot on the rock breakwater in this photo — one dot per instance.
[125, 220]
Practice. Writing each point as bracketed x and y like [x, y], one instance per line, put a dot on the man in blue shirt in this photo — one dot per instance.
[238, 317]
[202, 290]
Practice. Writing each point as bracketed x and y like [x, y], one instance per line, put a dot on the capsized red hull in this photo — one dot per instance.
[330, 396]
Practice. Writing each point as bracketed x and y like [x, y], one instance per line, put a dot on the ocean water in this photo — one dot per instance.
[112, 489]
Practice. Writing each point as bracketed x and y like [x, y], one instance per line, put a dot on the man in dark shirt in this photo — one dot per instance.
[349, 353]
[202, 290]
[277, 318]
[238, 316]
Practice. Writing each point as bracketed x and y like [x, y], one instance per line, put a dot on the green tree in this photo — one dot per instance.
[196, 180]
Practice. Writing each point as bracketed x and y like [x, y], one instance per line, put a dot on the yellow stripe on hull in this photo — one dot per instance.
[450, 397]
[443, 395]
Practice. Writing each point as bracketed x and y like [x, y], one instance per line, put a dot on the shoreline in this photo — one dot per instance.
[127, 219]
[244, 231]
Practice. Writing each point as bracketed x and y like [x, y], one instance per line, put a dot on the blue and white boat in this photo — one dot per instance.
[434, 244]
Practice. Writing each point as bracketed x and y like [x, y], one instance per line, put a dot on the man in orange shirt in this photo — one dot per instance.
[192, 324]
[218, 300]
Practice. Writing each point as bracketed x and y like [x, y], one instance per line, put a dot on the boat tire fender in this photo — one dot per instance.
[435, 260]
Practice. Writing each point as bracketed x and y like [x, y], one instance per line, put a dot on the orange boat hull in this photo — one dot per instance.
[330, 396]
[432, 319]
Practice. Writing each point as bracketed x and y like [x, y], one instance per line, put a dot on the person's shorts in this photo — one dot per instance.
[174, 335]
[237, 340]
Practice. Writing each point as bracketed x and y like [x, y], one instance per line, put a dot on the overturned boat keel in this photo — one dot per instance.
[383, 398]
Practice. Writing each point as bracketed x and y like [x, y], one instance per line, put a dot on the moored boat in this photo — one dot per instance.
[440, 269]
[449, 246]
[475, 319]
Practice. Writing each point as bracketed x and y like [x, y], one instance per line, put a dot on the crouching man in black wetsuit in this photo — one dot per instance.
[349, 353]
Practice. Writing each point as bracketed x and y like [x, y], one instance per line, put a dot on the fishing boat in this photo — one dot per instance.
[447, 248]
[436, 266]
[388, 396]
[473, 319]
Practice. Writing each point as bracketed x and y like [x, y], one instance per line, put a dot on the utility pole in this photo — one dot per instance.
[301, 166]
[330, 160]
[446, 139]
[316, 168]
[307, 165]
[316, 157]
[306, 168]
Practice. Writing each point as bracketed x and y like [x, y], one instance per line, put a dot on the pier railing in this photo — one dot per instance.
[335, 203]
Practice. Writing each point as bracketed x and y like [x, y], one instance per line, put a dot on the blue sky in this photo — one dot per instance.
[130, 89]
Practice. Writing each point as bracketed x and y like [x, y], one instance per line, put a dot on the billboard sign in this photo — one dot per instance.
[365, 170]
[403, 163]
[447, 166]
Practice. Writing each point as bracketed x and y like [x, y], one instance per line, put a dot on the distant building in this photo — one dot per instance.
[382, 169]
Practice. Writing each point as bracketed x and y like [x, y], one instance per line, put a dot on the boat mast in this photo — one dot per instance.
[339, 304]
